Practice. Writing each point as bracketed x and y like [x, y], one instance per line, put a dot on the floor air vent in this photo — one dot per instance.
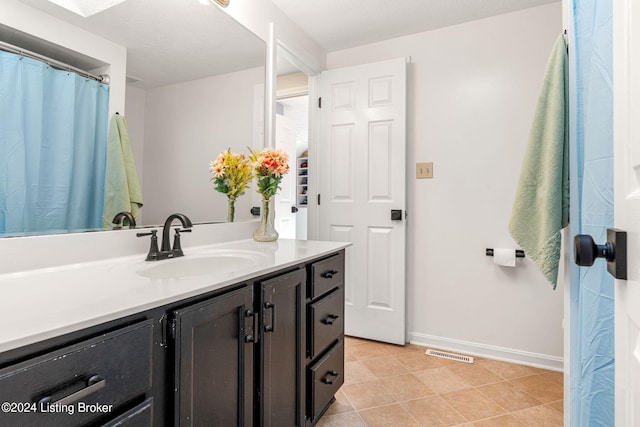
[451, 356]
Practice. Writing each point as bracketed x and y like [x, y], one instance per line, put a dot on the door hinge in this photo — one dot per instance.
[320, 102]
[318, 198]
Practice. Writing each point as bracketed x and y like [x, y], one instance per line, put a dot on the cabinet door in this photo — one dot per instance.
[214, 361]
[282, 352]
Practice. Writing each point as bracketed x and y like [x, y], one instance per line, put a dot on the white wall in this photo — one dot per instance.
[186, 126]
[26, 19]
[472, 92]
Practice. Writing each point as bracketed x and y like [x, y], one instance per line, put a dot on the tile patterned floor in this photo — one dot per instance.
[388, 385]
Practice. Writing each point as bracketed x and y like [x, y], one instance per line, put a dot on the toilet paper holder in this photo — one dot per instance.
[519, 252]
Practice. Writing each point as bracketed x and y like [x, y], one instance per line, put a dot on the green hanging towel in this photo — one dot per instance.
[122, 187]
[541, 205]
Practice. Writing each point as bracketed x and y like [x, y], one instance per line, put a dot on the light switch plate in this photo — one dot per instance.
[424, 170]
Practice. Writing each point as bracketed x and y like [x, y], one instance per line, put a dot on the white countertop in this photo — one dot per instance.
[40, 304]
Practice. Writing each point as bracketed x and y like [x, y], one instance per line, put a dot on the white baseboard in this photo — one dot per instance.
[543, 361]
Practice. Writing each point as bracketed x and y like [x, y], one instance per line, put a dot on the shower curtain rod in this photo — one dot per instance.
[102, 78]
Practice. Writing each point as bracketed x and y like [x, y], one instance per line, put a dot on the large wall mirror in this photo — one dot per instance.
[194, 87]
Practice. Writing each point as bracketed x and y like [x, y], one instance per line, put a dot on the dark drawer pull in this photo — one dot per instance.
[250, 338]
[272, 326]
[329, 274]
[94, 383]
[330, 319]
[330, 377]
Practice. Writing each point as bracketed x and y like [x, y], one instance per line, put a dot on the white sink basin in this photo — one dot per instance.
[203, 264]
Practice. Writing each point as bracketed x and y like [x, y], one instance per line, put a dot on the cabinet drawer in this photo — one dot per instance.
[326, 321]
[326, 275]
[326, 376]
[82, 382]
[140, 416]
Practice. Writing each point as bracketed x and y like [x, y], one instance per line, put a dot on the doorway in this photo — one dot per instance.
[292, 136]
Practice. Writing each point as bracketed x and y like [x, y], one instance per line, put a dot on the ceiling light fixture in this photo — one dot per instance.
[223, 3]
[86, 8]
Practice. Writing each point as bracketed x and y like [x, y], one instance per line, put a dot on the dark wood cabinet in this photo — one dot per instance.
[326, 376]
[281, 386]
[88, 382]
[325, 334]
[217, 381]
[265, 352]
[214, 361]
[140, 416]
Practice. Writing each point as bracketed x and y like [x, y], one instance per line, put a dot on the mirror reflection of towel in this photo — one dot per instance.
[122, 187]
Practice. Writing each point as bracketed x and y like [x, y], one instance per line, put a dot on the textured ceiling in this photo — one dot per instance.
[341, 24]
[170, 41]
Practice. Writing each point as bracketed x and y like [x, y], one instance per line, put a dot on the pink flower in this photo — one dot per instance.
[269, 163]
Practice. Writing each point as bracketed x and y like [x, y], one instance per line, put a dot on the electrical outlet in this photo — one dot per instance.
[424, 170]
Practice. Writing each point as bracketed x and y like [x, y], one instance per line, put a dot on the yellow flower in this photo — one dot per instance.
[231, 173]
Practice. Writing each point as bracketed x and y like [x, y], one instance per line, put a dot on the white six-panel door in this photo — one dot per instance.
[361, 179]
[626, 54]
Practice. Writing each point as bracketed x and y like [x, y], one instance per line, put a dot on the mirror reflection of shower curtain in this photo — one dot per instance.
[53, 131]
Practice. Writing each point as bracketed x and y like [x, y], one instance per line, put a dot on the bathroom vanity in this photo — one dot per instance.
[120, 342]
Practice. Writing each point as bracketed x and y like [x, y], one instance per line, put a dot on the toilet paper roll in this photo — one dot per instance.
[504, 256]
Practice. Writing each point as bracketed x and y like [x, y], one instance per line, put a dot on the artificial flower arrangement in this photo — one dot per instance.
[269, 165]
[232, 174]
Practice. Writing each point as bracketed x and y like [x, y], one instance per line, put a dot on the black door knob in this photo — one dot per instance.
[396, 215]
[585, 252]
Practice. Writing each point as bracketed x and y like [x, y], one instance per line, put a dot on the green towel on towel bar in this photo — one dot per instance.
[541, 205]
[122, 188]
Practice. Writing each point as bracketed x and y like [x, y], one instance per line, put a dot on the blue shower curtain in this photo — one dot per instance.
[53, 130]
[591, 141]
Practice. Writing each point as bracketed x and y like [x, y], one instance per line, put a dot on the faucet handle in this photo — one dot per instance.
[154, 252]
[177, 248]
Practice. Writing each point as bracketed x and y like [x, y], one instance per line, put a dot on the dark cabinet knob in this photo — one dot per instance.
[329, 274]
[330, 377]
[614, 251]
[330, 319]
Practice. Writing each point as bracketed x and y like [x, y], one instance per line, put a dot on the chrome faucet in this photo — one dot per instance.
[118, 220]
[166, 248]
